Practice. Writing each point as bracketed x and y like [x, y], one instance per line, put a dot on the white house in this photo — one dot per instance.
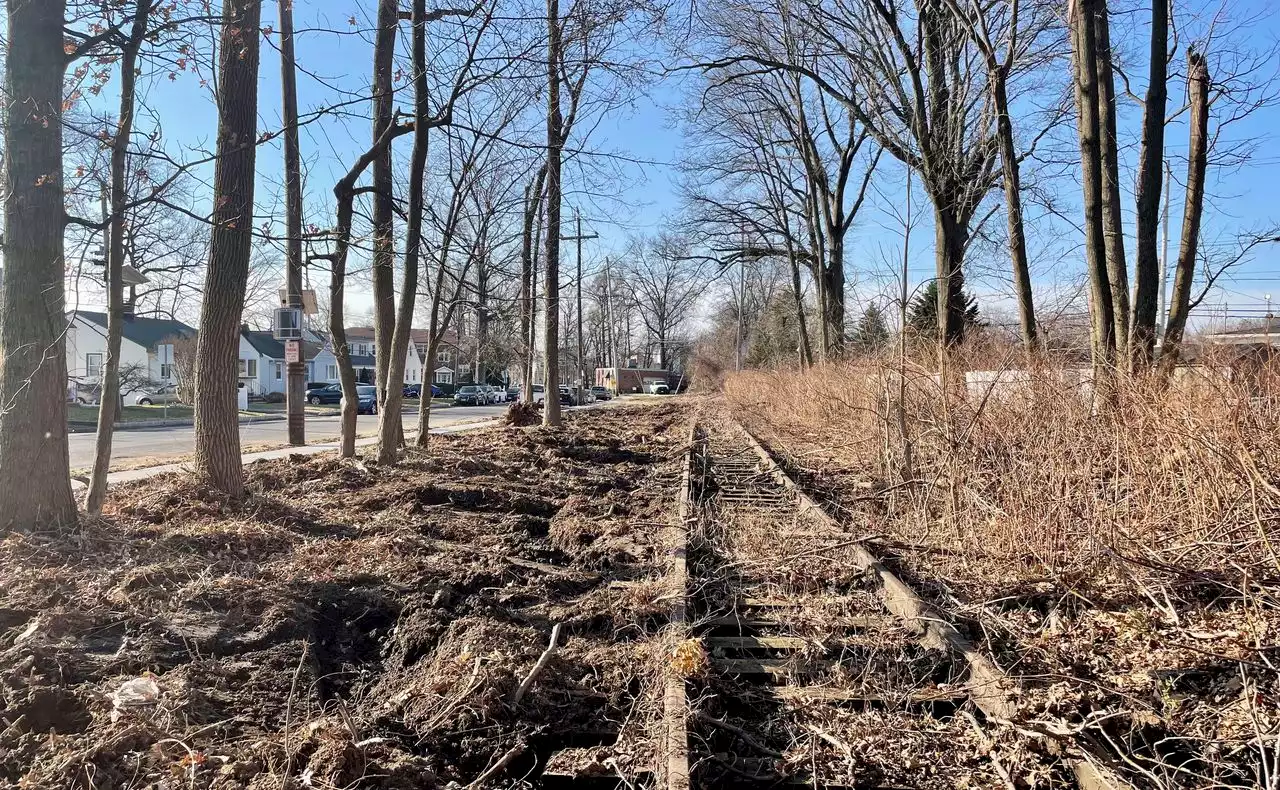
[262, 364]
[364, 352]
[146, 352]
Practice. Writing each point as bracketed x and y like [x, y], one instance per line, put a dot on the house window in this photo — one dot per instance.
[248, 368]
[444, 378]
[330, 372]
[93, 365]
[166, 371]
[422, 349]
[279, 369]
[444, 357]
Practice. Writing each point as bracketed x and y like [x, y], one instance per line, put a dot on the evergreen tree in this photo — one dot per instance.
[922, 314]
[871, 333]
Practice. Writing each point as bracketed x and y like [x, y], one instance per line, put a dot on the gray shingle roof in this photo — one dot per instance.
[266, 345]
[146, 332]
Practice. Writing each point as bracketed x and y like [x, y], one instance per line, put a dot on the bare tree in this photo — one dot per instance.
[1146, 290]
[35, 482]
[1089, 122]
[109, 406]
[217, 445]
[1193, 208]
[1023, 27]
[666, 284]
[384, 304]
[555, 146]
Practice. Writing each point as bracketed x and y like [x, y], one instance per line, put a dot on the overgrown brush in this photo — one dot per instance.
[1025, 474]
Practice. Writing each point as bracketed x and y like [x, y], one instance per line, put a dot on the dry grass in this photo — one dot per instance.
[1032, 479]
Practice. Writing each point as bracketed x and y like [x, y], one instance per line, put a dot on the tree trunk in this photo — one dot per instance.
[295, 389]
[529, 281]
[818, 257]
[1013, 209]
[951, 235]
[555, 142]
[797, 295]
[217, 425]
[833, 293]
[1147, 269]
[35, 479]
[109, 403]
[1112, 219]
[1192, 211]
[1088, 123]
[391, 425]
[383, 273]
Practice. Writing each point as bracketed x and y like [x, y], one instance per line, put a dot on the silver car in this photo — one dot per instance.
[167, 394]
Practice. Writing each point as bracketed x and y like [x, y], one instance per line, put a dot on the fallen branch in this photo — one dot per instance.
[742, 734]
[543, 660]
[496, 768]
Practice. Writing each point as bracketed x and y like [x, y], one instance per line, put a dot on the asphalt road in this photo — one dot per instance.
[178, 441]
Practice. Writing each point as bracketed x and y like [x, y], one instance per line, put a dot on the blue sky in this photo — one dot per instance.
[646, 194]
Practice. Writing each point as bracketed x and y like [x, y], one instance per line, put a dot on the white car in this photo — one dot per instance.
[167, 394]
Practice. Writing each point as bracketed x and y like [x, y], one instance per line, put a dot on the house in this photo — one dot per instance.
[452, 364]
[263, 369]
[147, 353]
[364, 353]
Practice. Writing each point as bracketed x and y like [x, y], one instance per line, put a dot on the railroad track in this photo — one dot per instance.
[797, 623]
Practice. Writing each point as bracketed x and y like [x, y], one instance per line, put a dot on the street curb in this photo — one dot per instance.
[134, 425]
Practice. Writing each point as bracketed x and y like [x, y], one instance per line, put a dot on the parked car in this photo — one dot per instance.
[436, 392]
[329, 393]
[168, 394]
[470, 395]
[490, 394]
[85, 394]
[566, 397]
[601, 393]
[657, 388]
[367, 399]
[412, 390]
[513, 394]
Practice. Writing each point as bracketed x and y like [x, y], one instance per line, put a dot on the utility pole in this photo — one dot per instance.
[296, 370]
[582, 371]
[610, 317]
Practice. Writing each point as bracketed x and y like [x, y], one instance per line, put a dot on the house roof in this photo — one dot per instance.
[266, 345]
[146, 332]
[364, 334]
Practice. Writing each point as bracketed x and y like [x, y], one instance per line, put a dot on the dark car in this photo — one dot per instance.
[513, 394]
[367, 396]
[436, 392]
[567, 398]
[470, 395]
[413, 390]
[328, 393]
[367, 400]
[601, 393]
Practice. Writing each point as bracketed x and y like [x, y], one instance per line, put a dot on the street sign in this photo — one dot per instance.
[292, 351]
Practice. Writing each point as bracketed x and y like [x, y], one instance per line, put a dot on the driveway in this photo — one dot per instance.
[179, 441]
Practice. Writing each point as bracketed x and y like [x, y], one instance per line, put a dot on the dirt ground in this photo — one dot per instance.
[351, 625]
